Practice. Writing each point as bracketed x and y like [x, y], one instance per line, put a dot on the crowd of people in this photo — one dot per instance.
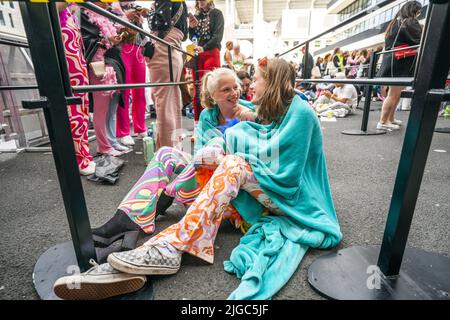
[283, 205]
[329, 99]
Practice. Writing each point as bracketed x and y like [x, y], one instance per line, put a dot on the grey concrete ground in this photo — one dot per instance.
[362, 172]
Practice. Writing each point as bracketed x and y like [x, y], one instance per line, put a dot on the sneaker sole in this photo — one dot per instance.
[122, 266]
[98, 291]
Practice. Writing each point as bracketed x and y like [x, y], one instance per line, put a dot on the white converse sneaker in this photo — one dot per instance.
[155, 259]
[89, 170]
[397, 122]
[387, 126]
[127, 140]
[99, 282]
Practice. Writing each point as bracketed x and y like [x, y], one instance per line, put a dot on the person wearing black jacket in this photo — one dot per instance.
[306, 66]
[169, 22]
[403, 30]
[206, 30]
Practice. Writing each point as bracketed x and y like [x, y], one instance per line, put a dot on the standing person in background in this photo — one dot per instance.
[246, 81]
[338, 61]
[238, 58]
[131, 54]
[306, 65]
[169, 22]
[316, 72]
[206, 28]
[100, 38]
[362, 60]
[403, 30]
[228, 57]
[322, 65]
[351, 64]
[76, 65]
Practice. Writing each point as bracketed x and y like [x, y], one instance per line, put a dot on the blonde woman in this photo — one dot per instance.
[228, 57]
[174, 174]
[206, 29]
[291, 185]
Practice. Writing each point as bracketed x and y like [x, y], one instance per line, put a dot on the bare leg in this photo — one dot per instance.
[389, 104]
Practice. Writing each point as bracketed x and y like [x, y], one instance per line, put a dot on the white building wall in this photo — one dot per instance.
[11, 19]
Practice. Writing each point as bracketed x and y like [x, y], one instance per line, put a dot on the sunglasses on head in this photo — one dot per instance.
[262, 62]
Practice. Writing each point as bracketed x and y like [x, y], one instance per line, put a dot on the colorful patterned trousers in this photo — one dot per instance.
[197, 230]
[170, 169]
[78, 114]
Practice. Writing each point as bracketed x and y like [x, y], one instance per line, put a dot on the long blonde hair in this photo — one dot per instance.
[279, 91]
[210, 82]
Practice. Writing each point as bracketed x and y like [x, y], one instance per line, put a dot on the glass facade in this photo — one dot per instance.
[354, 8]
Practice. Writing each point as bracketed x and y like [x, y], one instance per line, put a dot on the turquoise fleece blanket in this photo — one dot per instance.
[205, 131]
[288, 161]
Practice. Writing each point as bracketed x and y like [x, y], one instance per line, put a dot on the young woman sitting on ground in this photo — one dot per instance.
[172, 174]
[276, 168]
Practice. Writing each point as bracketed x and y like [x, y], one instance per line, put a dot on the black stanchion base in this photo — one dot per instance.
[363, 133]
[350, 274]
[60, 261]
[442, 130]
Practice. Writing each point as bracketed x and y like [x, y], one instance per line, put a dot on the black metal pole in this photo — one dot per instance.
[57, 36]
[106, 87]
[169, 54]
[367, 100]
[197, 88]
[41, 39]
[306, 71]
[368, 92]
[431, 74]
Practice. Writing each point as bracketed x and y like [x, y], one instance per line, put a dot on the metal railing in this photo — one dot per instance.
[96, 88]
[336, 27]
[47, 51]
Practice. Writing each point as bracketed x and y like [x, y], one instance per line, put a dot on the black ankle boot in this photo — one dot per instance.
[115, 228]
[164, 202]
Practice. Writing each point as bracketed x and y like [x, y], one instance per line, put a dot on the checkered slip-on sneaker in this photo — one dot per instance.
[99, 282]
[155, 259]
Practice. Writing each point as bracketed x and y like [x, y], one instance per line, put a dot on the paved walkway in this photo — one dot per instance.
[362, 173]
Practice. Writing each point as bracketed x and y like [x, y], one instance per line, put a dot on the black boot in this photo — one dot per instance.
[164, 202]
[119, 226]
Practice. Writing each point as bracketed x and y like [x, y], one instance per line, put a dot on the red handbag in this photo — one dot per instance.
[402, 54]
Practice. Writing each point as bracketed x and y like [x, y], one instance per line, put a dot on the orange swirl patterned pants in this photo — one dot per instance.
[196, 231]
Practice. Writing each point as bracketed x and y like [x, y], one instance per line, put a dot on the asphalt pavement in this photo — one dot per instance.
[362, 173]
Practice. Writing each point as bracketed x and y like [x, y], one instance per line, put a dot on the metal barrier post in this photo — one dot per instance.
[355, 272]
[169, 55]
[306, 70]
[44, 36]
[425, 103]
[52, 89]
[197, 88]
[367, 100]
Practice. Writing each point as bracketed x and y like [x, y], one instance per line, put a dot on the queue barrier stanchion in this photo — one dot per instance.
[47, 53]
[367, 99]
[446, 98]
[392, 271]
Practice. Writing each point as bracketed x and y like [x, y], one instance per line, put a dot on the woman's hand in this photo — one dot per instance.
[243, 114]
[209, 157]
[115, 40]
[199, 49]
